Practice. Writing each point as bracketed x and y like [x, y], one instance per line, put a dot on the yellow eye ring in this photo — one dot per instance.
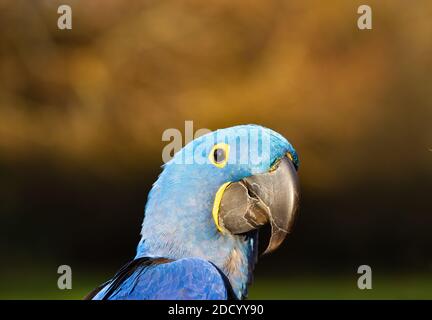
[219, 155]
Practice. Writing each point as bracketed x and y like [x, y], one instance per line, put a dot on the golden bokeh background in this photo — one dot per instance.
[82, 113]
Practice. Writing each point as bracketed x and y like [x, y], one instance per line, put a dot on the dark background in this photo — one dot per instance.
[82, 113]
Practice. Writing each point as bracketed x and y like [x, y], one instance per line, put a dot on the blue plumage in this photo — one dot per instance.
[184, 279]
[178, 222]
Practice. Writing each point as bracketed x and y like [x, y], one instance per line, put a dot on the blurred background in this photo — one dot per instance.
[82, 113]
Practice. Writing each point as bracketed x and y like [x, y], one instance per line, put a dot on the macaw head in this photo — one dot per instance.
[216, 192]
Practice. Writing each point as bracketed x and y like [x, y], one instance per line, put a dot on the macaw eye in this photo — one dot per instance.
[219, 155]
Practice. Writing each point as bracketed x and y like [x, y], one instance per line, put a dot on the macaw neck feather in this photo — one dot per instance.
[178, 224]
[236, 262]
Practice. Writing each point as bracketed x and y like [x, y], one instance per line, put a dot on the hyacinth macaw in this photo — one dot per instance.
[200, 232]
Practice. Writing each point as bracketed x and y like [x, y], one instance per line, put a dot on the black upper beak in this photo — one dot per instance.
[271, 197]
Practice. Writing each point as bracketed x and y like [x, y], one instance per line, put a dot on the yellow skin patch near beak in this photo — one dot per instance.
[216, 204]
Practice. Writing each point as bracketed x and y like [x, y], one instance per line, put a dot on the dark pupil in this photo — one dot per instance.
[219, 155]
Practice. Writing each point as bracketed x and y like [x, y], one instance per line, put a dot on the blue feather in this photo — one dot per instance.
[184, 279]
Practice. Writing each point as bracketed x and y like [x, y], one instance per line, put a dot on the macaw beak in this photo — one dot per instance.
[271, 197]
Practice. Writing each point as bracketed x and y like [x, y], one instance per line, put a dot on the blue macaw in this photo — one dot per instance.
[200, 232]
